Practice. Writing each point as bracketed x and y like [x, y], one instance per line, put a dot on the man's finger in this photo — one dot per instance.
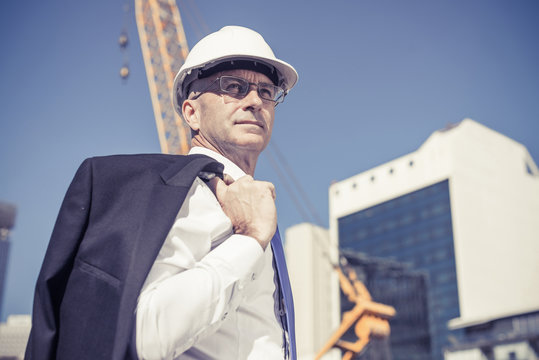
[218, 186]
[214, 184]
[228, 179]
[272, 189]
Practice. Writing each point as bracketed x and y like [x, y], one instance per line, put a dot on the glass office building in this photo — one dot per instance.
[416, 229]
[397, 284]
[463, 209]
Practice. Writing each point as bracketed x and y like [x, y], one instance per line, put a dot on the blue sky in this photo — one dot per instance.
[377, 77]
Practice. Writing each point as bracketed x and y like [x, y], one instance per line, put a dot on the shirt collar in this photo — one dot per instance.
[230, 168]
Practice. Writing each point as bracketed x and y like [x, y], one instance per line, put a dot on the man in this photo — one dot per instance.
[156, 257]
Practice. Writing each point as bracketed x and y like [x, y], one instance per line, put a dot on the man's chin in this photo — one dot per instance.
[251, 143]
[252, 137]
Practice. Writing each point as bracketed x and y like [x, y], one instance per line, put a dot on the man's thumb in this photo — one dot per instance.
[228, 179]
[218, 187]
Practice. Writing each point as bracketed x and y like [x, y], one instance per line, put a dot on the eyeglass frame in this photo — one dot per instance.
[280, 99]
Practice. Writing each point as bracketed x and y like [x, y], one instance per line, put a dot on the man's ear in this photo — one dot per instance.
[191, 114]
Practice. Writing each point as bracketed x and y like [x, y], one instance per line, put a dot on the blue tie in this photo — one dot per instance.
[286, 304]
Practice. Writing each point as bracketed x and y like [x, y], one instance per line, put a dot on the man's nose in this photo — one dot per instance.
[252, 98]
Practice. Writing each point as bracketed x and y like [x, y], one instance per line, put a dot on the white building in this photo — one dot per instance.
[484, 226]
[14, 336]
[315, 287]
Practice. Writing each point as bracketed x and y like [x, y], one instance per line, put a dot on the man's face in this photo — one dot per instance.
[229, 124]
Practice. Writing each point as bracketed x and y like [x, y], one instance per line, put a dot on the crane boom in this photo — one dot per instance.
[164, 48]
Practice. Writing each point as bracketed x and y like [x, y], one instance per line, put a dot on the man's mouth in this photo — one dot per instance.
[250, 122]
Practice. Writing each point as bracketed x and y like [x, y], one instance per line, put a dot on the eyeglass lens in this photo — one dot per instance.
[238, 87]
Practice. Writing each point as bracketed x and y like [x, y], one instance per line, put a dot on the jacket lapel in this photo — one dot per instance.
[167, 196]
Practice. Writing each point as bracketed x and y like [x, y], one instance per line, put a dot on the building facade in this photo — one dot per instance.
[14, 335]
[315, 286]
[414, 229]
[507, 338]
[398, 284]
[464, 209]
[7, 220]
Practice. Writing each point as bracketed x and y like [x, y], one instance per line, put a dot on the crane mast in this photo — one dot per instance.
[164, 48]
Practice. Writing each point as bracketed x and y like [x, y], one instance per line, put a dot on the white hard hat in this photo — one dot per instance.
[228, 45]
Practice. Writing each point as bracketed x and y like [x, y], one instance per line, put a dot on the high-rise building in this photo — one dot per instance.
[7, 220]
[391, 282]
[463, 208]
[414, 228]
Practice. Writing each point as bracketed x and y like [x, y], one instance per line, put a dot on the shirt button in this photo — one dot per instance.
[224, 316]
[253, 276]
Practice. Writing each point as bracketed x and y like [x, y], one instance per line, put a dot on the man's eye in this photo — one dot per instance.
[266, 93]
[233, 87]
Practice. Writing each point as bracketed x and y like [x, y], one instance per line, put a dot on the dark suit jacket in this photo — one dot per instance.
[113, 221]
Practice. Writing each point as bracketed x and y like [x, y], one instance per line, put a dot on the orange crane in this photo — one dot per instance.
[164, 48]
[370, 319]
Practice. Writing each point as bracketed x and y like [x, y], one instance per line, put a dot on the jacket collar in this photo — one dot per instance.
[229, 167]
[183, 172]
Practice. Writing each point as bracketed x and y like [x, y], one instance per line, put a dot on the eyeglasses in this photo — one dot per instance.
[238, 87]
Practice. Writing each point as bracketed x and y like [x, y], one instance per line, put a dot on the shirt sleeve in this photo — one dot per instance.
[193, 285]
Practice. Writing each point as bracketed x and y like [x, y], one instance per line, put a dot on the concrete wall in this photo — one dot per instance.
[315, 287]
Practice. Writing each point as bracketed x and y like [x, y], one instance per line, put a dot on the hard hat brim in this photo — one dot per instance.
[287, 74]
[228, 44]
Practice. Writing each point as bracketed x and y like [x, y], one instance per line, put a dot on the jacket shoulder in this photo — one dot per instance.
[136, 159]
[137, 165]
[115, 169]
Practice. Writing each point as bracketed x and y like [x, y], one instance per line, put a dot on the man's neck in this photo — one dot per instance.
[246, 164]
[245, 160]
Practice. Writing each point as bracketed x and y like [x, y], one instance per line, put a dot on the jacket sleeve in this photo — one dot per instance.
[68, 232]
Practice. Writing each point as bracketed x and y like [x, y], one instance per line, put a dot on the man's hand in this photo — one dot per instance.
[250, 205]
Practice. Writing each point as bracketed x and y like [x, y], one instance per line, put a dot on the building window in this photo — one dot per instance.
[529, 169]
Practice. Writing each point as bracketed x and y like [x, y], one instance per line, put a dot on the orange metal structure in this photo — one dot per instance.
[164, 48]
[370, 318]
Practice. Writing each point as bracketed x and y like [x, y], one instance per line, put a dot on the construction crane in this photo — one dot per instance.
[164, 48]
[370, 319]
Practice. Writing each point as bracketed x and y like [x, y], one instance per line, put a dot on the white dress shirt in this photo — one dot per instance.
[209, 293]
